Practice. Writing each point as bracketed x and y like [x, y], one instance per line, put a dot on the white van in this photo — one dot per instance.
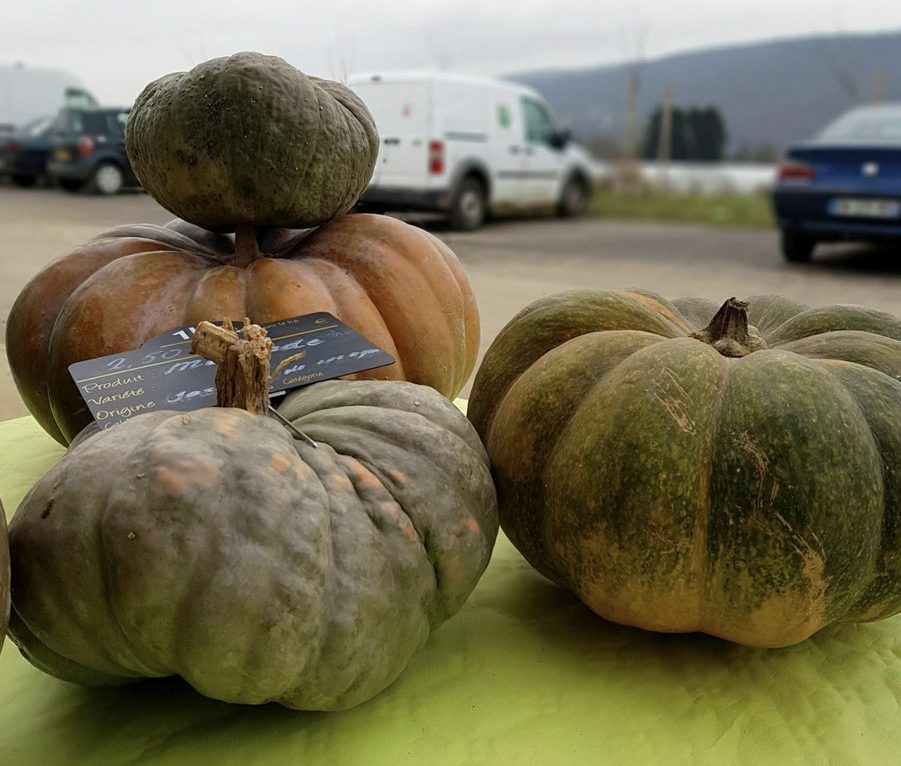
[468, 145]
[28, 93]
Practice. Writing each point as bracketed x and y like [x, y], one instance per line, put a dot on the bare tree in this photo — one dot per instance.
[628, 174]
[836, 60]
[341, 56]
[837, 64]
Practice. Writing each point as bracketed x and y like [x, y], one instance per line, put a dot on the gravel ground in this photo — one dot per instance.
[510, 263]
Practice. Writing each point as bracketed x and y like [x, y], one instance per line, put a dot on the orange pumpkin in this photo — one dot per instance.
[397, 285]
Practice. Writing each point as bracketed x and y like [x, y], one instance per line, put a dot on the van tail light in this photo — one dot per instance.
[85, 146]
[14, 146]
[436, 157]
[796, 171]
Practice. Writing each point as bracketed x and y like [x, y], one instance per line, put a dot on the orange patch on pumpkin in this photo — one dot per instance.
[397, 477]
[410, 531]
[225, 423]
[362, 475]
[302, 470]
[190, 473]
[338, 481]
[393, 510]
[471, 525]
[662, 309]
[279, 462]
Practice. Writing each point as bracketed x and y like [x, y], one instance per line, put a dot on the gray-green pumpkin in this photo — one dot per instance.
[214, 546]
[680, 469]
[249, 139]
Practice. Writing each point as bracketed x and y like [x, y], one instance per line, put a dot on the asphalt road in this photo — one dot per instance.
[510, 263]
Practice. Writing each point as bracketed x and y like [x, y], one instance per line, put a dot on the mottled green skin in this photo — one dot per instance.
[248, 139]
[670, 487]
[213, 546]
[4, 576]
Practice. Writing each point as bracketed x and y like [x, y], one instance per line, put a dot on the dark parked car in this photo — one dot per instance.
[844, 184]
[24, 152]
[88, 150]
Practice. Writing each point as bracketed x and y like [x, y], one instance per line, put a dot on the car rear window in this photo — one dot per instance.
[864, 126]
[96, 123]
[36, 127]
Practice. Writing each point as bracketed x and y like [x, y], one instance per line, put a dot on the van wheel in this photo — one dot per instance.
[108, 178]
[26, 182]
[469, 208]
[574, 198]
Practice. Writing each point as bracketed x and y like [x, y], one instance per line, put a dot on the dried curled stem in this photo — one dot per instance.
[242, 377]
[729, 331]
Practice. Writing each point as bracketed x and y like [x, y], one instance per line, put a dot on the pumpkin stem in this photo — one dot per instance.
[242, 377]
[247, 246]
[729, 331]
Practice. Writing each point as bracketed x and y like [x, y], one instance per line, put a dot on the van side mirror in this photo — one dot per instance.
[561, 138]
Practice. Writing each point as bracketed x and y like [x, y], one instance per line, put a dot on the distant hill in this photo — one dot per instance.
[770, 93]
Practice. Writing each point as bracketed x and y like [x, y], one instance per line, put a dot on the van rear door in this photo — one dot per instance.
[401, 112]
[508, 150]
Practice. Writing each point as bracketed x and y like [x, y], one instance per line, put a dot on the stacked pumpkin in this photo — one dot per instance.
[249, 145]
[215, 545]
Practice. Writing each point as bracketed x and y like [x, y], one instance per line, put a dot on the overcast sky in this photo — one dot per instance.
[116, 46]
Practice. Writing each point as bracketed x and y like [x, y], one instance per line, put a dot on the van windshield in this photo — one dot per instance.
[540, 127]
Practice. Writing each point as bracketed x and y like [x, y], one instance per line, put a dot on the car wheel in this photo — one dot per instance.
[573, 199]
[797, 248]
[108, 178]
[470, 205]
[26, 182]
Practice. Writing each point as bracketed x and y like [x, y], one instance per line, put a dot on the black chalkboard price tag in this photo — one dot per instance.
[164, 375]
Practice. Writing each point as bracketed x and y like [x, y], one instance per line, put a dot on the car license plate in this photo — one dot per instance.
[865, 208]
[63, 155]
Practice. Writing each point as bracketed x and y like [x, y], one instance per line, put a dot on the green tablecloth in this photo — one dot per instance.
[524, 674]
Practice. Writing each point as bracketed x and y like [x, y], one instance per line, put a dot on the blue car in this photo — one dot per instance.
[845, 184]
[24, 153]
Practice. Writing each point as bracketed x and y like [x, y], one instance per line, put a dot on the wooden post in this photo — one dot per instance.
[880, 87]
[665, 137]
[628, 166]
